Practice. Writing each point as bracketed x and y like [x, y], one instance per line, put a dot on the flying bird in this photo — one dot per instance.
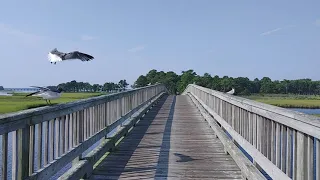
[231, 91]
[55, 56]
[46, 93]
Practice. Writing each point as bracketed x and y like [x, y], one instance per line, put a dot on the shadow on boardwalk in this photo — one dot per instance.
[165, 146]
[141, 152]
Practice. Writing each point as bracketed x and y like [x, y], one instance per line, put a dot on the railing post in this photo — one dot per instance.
[23, 152]
[4, 163]
[301, 171]
[81, 126]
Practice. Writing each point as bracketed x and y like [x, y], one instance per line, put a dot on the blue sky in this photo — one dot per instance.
[278, 39]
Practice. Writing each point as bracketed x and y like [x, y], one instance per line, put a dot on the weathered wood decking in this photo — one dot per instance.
[172, 141]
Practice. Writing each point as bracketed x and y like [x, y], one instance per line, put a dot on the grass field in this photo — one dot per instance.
[19, 102]
[288, 101]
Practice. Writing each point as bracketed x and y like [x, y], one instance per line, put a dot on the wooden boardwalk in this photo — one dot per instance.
[171, 142]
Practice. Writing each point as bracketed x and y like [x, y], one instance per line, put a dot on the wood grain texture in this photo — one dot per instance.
[171, 141]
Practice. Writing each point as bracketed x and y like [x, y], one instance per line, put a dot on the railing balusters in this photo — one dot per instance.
[14, 156]
[43, 137]
[23, 144]
[51, 141]
[301, 156]
[4, 163]
[279, 135]
[39, 148]
[294, 159]
[273, 142]
[66, 133]
[32, 148]
[278, 150]
[310, 157]
[317, 158]
[62, 136]
[283, 147]
[288, 152]
[45, 143]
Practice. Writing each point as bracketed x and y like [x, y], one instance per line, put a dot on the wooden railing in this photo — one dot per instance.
[283, 143]
[44, 140]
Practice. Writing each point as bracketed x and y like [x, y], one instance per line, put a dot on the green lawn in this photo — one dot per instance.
[19, 102]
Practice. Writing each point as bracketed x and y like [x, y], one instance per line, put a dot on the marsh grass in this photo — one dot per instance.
[19, 102]
[288, 101]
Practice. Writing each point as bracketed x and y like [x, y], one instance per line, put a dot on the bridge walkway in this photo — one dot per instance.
[172, 141]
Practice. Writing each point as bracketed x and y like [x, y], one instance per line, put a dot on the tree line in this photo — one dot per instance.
[243, 86]
[176, 83]
[74, 86]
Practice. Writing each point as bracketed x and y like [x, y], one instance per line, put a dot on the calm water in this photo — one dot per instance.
[5, 94]
[307, 111]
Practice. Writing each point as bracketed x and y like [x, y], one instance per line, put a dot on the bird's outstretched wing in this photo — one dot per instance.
[78, 55]
[42, 88]
[32, 93]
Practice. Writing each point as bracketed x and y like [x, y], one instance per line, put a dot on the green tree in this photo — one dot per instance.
[187, 77]
[141, 81]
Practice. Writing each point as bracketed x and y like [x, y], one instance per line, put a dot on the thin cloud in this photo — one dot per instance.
[87, 38]
[270, 32]
[276, 30]
[7, 29]
[136, 49]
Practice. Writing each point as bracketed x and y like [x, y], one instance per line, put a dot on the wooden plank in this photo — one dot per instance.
[77, 171]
